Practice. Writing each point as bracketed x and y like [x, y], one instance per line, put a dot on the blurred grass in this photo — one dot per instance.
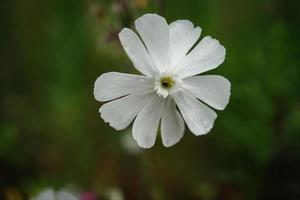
[52, 51]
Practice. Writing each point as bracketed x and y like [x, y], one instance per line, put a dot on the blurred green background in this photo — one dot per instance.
[51, 134]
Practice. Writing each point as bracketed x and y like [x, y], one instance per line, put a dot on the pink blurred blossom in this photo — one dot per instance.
[88, 196]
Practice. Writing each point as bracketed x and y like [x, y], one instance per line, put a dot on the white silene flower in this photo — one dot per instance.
[168, 91]
[50, 194]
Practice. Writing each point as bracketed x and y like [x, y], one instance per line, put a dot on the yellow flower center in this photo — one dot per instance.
[167, 82]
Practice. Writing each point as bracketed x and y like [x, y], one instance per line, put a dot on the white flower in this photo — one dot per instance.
[169, 64]
[114, 194]
[130, 145]
[50, 194]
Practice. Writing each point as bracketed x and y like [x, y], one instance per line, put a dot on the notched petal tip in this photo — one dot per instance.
[208, 54]
[107, 120]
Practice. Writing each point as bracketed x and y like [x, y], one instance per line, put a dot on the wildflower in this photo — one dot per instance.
[168, 91]
[50, 194]
[129, 145]
[88, 196]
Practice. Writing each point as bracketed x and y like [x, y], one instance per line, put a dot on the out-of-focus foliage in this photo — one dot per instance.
[52, 135]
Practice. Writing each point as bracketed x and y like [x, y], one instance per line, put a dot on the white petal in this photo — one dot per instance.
[172, 125]
[183, 36]
[211, 89]
[154, 31]
[62, 195]
[145, 125]
[136, 51]
[47, 194]
[198, 117]
[113, 85]
[207, 55]
[121, 112]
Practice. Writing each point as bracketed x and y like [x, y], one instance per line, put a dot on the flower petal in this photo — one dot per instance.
[154, 31]
[211, 89]
[198, 117]
[145, 125]
[172, 125]
[183, 35]
[136, 51]
[207, 55]
[113, 85]
[121, 112]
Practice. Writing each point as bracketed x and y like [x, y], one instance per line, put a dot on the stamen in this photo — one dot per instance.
[167, 82]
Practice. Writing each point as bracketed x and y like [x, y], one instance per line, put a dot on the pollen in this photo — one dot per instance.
[167, 82]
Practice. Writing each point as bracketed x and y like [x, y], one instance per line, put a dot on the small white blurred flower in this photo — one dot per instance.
[169, 90]
[50, 194]
[114, 194]
[130, 145]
